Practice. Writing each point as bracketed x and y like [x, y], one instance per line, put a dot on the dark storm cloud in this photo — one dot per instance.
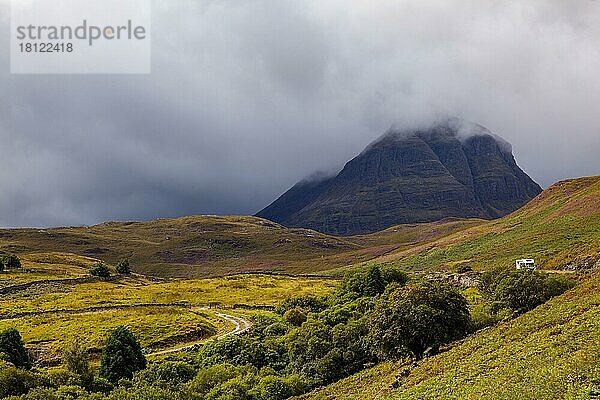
[248, 97]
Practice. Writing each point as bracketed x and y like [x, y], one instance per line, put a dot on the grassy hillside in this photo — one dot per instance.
[557, 228]
[207, 246]
[161, 313]
[552, 352]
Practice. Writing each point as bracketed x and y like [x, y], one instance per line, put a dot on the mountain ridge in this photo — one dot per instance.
[451, 169]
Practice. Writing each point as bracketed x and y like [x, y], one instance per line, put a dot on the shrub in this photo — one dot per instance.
[11, 262]
[122, 356]
[11, 344]
[100, 270]
[417, 317]
[307, 303]
[76, 360]
[123, 267]
[272, 387]
[61, 377]
[362, 283]
[394, 275]
[295, 316]
[239, 351]
[208, 378]
[521, 290]
[165, 374]
[15, 381]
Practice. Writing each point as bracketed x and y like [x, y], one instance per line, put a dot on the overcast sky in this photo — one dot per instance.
[246, 97]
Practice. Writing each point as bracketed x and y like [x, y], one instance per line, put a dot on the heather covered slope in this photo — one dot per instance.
[552, 352]
[452, 169]
[560, 229]
[202, 246]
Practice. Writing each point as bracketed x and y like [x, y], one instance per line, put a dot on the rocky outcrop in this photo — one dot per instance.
[452, 169]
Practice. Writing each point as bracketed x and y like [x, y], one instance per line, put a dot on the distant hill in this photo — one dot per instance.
[452, 169]
[200, 246]
[559, 228]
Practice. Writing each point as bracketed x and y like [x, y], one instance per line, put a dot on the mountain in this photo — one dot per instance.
[451, 169]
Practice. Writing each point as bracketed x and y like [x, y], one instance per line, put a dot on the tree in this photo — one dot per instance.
[11, 262]
[522, 291]
[295, 316]
[374, 283]
[11, 344]
[100, 270]
[76, 360]
[360, 284]
[418, 317]
[122, 356]
[123, 267]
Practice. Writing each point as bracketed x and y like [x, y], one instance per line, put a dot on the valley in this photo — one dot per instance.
[201, 281]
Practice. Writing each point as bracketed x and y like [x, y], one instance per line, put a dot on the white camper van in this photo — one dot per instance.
[525, 263]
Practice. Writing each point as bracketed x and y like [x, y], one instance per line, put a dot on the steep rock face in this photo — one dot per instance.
[453, 169]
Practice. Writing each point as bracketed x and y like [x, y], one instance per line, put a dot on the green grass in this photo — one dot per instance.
[63, 312]
[225, 291]
[47, 266]
[155, 327]
[372, 383]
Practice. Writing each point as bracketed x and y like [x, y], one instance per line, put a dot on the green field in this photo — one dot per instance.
[162, 314]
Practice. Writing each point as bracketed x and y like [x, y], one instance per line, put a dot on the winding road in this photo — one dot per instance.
[240, 324]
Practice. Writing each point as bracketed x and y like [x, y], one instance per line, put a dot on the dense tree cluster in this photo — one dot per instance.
[374, 315]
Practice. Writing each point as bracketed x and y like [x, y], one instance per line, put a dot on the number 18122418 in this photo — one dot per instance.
[46, 47]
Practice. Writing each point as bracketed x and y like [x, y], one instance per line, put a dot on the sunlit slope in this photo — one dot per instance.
[209, 245]
[559, 227]
[552, 352]
[543, 354]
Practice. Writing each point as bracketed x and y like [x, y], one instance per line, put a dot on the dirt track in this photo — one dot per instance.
[241, 326]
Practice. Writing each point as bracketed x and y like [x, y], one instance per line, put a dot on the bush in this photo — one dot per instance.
[207, 378]
[11, 344]
[394, 275]
[239, 351]
[122, 356]
[272, 387]
[165, 374]
[123, 267]
[11, 262]
[295, 316]
[523, 290]
[100, 270]
[361, 284]
[61, 377]
[418, 317]
[308, 304]
[76, 360]
[15, 381]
